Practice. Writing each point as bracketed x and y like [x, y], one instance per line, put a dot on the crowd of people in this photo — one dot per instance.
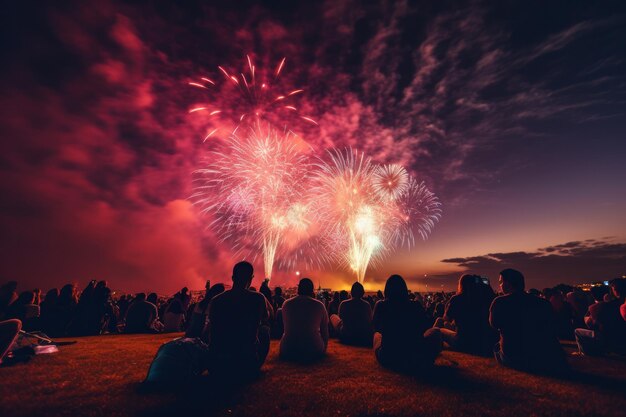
[229, 331]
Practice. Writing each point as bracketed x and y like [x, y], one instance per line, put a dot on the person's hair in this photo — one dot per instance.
[466, 283]
[52, 296]
[184, 290]
[140, 296]
[305, 287]
[396, 289]
[598, 292]
[26, 297]
[357, 290]
[175, 307]
[278, 291]
[152, 298]
[514, 278]
[619, 287]
[242, 272]
[336, 295]
[549, 292]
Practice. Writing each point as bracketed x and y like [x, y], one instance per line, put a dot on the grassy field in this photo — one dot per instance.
[101, 376]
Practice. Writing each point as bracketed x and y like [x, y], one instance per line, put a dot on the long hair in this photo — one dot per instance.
[396, 289]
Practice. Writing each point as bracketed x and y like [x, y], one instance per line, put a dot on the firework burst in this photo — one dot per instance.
[368, 209]
[247, 97]
[253, 188]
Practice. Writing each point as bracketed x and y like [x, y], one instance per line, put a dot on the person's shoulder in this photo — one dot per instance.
[501, 300]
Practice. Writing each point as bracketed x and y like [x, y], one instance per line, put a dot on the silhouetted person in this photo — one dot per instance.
[174, 317]
[607, 328]
[403, 340]
[563, 312]
[67, 305]
[333, 306]
[278, 299]
[49, 310]
[8, 295]
[353, 324]
[200, 314]
[25, 310]
[238, 342]
[9, 329]
[465, 323]
[265, 289]
[527, 331]
[306, 325]
[141, 315]
[184, 297]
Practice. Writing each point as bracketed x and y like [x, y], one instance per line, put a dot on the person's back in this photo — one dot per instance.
[140, 316]
[610, 325]
[356, 317]
[235, 316]
[527, 328]
[305, 325]
[401, 340]
[470, 314]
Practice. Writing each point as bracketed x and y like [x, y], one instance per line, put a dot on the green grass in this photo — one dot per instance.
[101, 376]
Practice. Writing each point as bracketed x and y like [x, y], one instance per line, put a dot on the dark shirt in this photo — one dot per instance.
[356, 315]
[527, 331]
[608, 323]
[234, 319]
[140, 316]
[471, 316]
[402, 325]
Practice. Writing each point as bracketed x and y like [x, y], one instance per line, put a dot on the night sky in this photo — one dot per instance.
[513, 113]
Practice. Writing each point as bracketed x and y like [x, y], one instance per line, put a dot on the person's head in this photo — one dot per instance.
[466, 283]
[535, 292]
[549, 293]
[243, 272]
[214, 290]
[101, 284]
[51, 296]
[305, 287]
[175, 307]
[357, 290]
[343, 295]
[184, 290]
[396, 289]
[379, 294]
[336, 296]
[278, 291]
[511, 280]
[141, 296]
[598, 292]
[618, 286]
[152, 298]
[68, 292]
[26, 297]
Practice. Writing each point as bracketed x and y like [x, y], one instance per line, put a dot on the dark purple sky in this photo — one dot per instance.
[514, 113]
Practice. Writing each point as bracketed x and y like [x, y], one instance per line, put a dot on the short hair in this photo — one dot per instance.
[357, 290]
[140, 296]
[619, 286]
[514, 278]
[242, 272]
[466, 283]
[305, 287]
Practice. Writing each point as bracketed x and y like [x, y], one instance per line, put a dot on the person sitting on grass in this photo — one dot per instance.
[306, 326]
[606, 327]
[526, 324]
[141, 316]
[353, 324]
[200, 315]
[465, 324]
[238, 342]
[402, 338]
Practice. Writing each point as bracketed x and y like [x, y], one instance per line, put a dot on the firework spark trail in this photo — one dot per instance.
[369, 209]
[246, 99]
[254, 188]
